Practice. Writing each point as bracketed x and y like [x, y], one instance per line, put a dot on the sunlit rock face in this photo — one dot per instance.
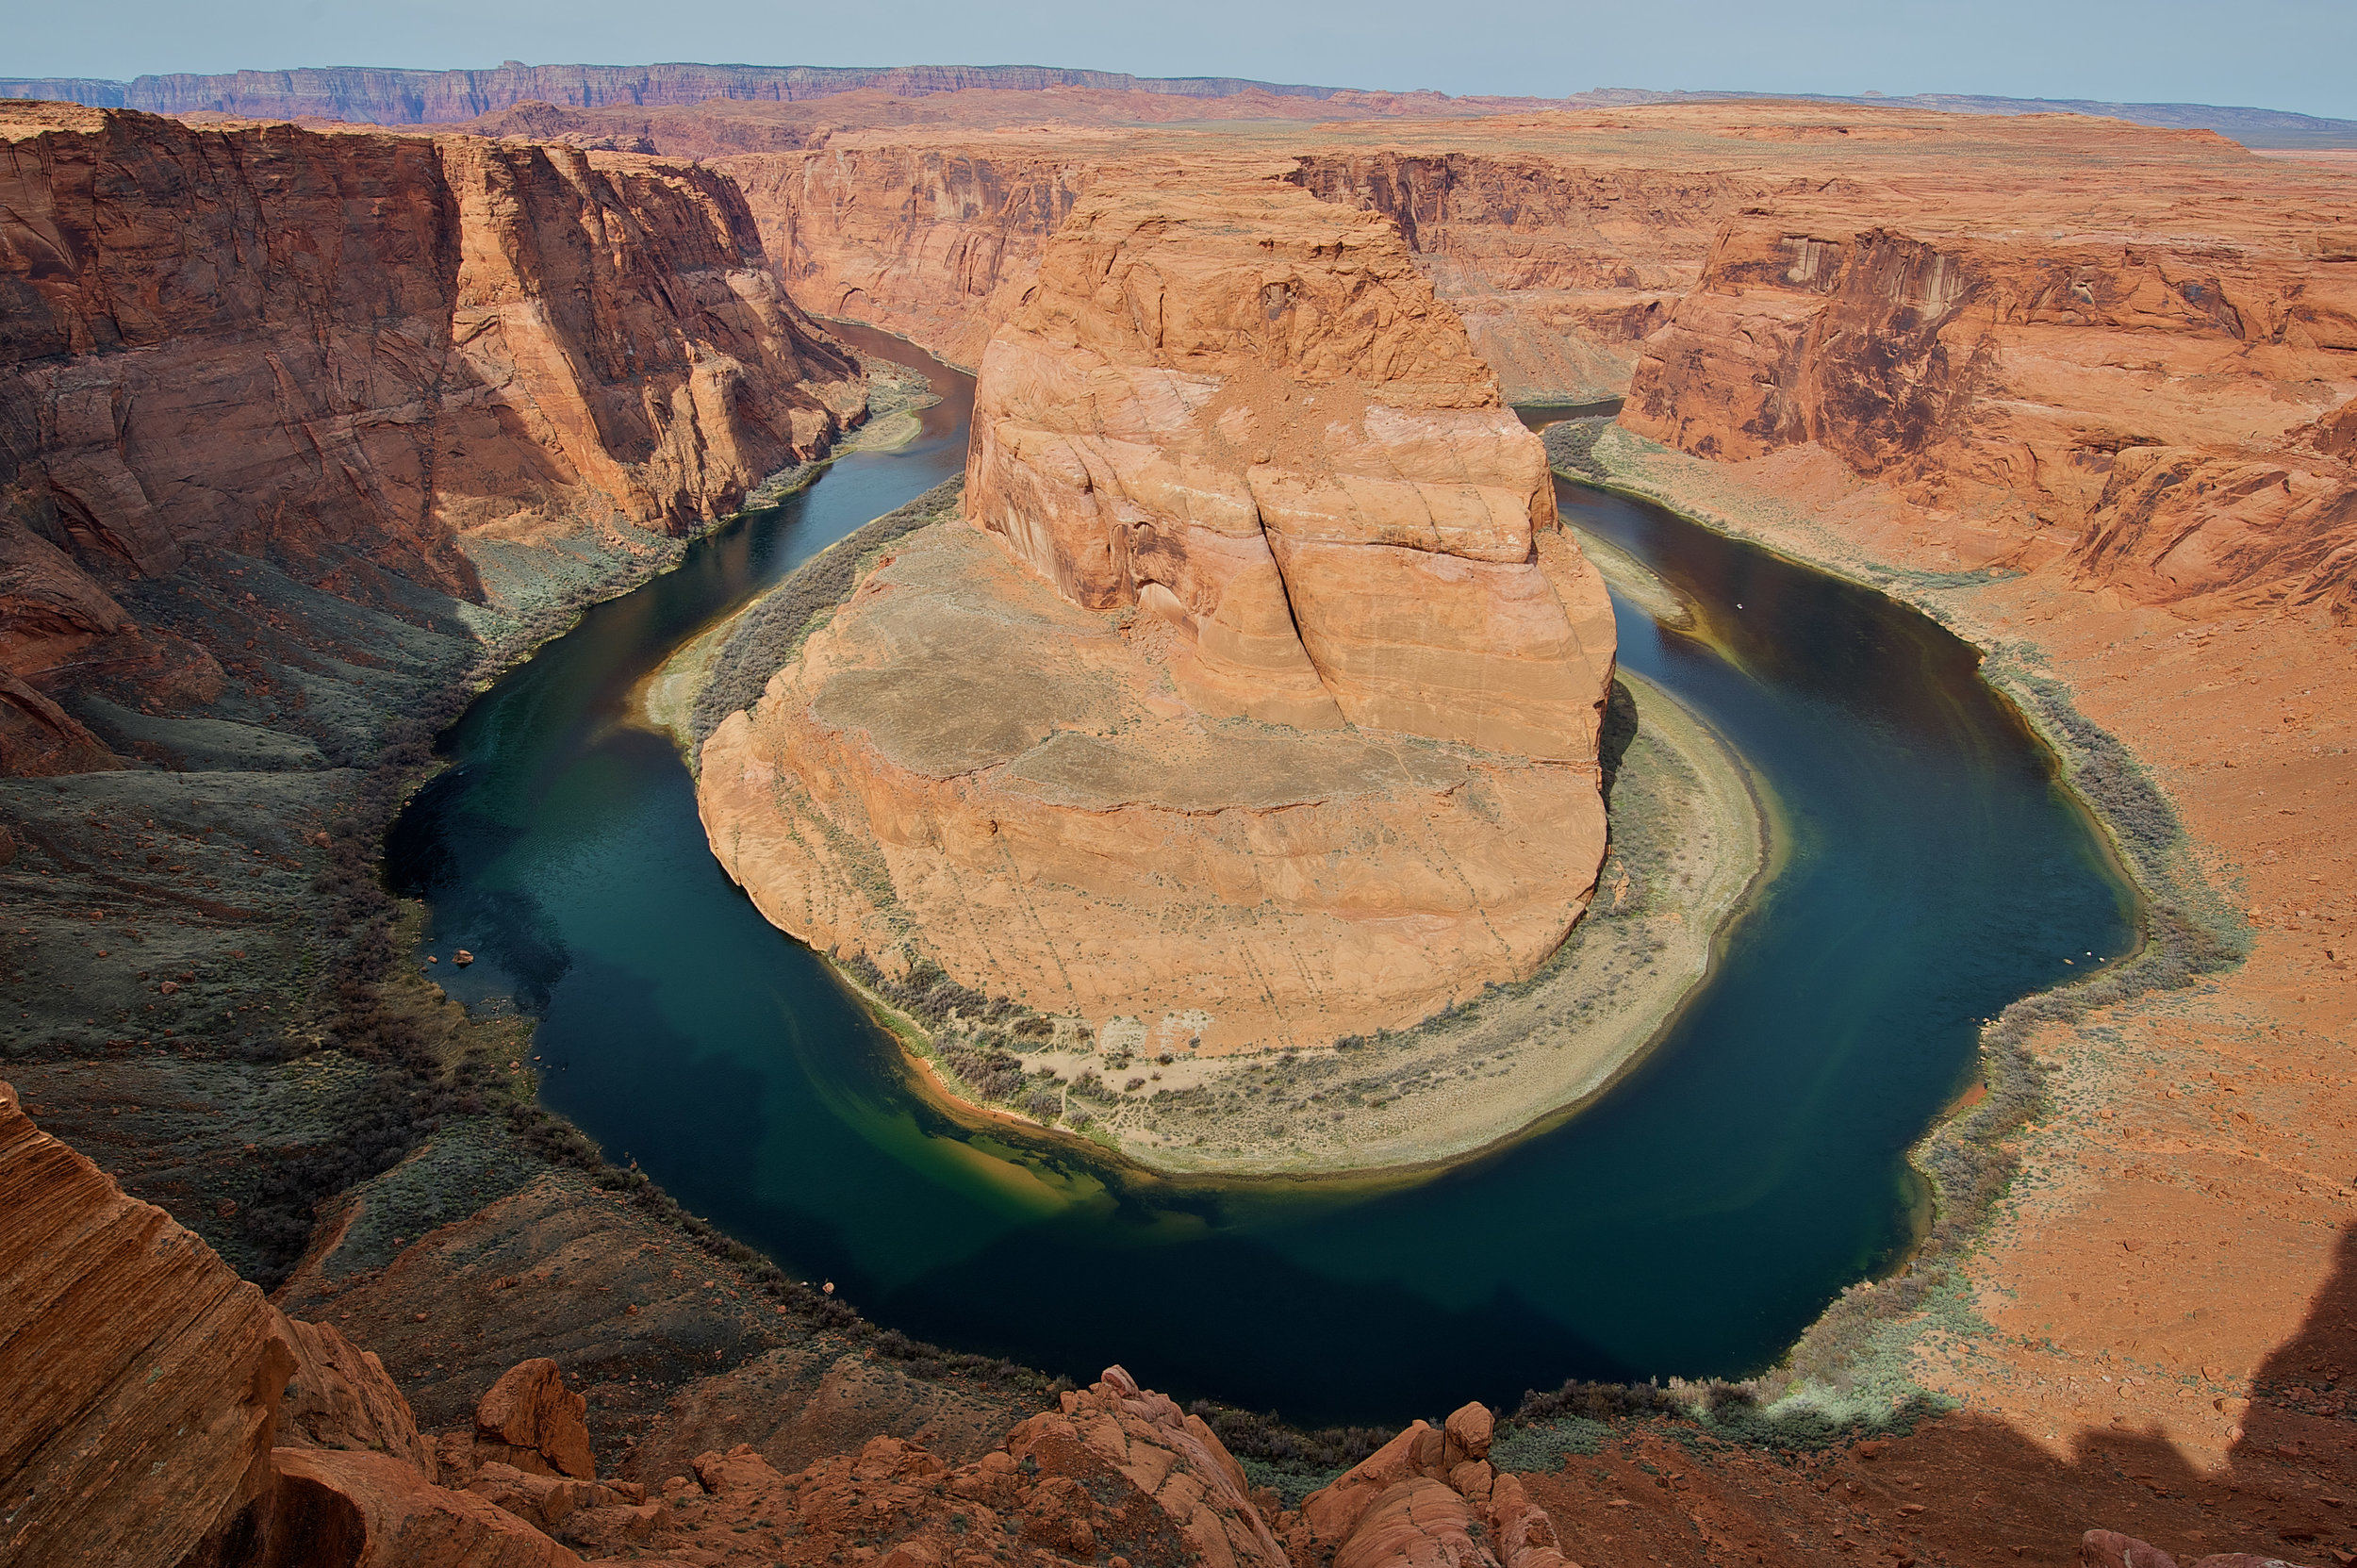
[1254, 702]
[1244, 411]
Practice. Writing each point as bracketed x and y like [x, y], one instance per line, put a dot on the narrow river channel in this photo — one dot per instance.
[1692, 1222]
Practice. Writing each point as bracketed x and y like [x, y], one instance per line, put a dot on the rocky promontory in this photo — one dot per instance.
[1254, 702]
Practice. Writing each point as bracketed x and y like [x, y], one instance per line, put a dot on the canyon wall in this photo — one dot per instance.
[2166, 405]
[931, 239]
[1559, 269]
[2158, 317]
[363, 359]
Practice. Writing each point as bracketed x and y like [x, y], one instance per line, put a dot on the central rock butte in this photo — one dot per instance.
[1257, 704]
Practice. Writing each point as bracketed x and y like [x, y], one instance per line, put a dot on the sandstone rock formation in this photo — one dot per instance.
[929, 236]
[363, 359]
[2054, 390]
[529, 1418]
[2157, 402]
[1272, 717]
[1425, 1498]
[1244, 411]
[1560, 267]
[341, 1397]
[139, 1379]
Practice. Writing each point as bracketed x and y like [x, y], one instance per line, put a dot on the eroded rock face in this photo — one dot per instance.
[139, 1379]
[1243, 410]
[2164, 412]
[1269, 643]
[363, 359]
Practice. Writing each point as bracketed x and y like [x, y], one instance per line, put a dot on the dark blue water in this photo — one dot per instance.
[1691, 1223]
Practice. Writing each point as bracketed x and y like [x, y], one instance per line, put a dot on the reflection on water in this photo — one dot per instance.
[1689, 1224]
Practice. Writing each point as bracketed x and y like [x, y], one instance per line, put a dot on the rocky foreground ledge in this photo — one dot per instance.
[155, 1410]
[160, 1410]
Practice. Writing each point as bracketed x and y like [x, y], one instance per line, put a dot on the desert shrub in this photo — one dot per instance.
[989, 1071]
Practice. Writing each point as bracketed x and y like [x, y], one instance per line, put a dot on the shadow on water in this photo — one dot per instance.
[1690, 1223]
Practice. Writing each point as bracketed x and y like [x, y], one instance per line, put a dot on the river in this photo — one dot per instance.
[1931, 870]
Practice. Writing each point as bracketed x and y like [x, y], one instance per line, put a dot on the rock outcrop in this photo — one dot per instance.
[1244, 411]
[2159, 403]
[530, 1419]
[139, 1379]
[341, 1397]
[1426, 1497]
[364, 359]
[1263, 709]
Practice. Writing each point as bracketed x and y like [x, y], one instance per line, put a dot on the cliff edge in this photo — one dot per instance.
[405, 373]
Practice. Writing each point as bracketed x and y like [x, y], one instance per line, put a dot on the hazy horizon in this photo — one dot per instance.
[2286, 55]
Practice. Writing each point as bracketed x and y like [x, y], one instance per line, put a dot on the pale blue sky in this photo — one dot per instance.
[2277, 54]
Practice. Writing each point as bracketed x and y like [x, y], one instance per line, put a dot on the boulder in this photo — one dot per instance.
[340, 1397]
[539, 1423]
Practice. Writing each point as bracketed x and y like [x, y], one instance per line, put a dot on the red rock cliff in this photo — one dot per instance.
[2166, 404]
[356, 355]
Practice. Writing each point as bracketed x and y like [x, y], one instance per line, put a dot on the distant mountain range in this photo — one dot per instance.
[368, 95]
[2252, 128]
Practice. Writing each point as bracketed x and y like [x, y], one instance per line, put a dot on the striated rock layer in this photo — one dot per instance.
[1270, 715]
[2045, 336]
[139, 1379]
[358, 357]
[2169, 410]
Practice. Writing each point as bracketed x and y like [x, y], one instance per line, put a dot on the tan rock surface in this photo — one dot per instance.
[1243, 409]
[1237, 425]
[965, 763]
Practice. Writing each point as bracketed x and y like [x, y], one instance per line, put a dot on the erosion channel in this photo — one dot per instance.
[1928, 870]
